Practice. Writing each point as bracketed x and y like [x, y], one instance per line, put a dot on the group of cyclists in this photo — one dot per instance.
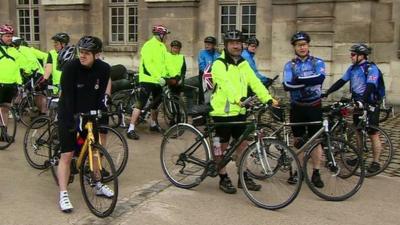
[85, 85]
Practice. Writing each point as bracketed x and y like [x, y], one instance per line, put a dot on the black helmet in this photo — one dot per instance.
[252, 40]
[61, 37]
[176, 43]
[233, 35]
[66, 54]
[361, 49]
[18, 41]
[300, 36]
[211, 40]
[90, 43]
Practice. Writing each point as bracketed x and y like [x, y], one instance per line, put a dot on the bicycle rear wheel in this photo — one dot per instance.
[173, 111]
[36, 142]
[8, 126]
[28, 110]
[117, 147]
[341, 181]
[92, 182]
[184, 156]
[274, 163]
[387, 150]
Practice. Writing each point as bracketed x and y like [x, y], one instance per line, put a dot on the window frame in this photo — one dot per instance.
[31, 8]
[126, 6]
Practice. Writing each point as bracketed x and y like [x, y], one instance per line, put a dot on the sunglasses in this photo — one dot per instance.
[353, 54]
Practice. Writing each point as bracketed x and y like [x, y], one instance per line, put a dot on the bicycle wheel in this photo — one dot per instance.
[341, 181]
[173, 111]
[272, 91]
[92, 182]
[115, 115]
[277, 163]
[36, 142]
[8, 126]
[384, 114]
[117, 147]
[28, 110]
[54, 153]
[184, 155]
[387, 150]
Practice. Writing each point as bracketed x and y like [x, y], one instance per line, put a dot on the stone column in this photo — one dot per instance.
[70, 16]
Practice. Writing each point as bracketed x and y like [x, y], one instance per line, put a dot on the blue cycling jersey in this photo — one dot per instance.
[303, 78]
[358, 81]
[249, 56]
[206, 58]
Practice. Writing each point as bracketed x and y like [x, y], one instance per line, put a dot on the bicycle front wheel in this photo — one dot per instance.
[36, 142]
[8, 126]
[184, 156]
[100, 198]
[340, 181]
[116, 145]
[278, 170]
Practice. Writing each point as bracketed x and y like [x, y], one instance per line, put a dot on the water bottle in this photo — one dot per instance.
[217, 147]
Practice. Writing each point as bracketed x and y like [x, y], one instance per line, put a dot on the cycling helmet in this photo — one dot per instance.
[361, 49]
[160, 30]
[300, 36]
[6, 29]
[66, 54]
[233, 35]
[17, 41]
[61, 37]
[90, 43]
[211, 40]
[252, 40]
[176, 43]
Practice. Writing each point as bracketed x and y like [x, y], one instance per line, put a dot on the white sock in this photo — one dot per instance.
[131, 127]
[98, 185]
[153, 123]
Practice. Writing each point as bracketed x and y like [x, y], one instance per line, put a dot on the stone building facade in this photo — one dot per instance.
[124, 25]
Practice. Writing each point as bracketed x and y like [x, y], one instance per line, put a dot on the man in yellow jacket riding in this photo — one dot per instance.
[232, 75]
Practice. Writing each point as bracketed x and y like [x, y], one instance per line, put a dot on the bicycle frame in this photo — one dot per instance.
[88, 147]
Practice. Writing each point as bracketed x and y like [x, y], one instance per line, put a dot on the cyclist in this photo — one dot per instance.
[33, 57]
[303, 77]
[363, 85]
[83, 86]
[205, 59]
[10, 64]
[232, 75]
[176, 68]
[152, 70]
[248, 53]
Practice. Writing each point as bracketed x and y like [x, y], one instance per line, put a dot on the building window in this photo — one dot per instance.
[240, 16]
[28, 20]
[123, 21]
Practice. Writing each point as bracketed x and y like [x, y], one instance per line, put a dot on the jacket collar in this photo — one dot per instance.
[229, 59]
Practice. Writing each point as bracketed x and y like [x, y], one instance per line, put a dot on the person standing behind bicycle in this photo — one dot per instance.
[10, 64]
[83, 88]
[206, 58]
[364, 77]
[303, 77]
[232, 75]
[248, 54]
[176, 68]
[152, 71]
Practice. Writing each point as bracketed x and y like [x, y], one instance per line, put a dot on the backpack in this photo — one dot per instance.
[380, 92]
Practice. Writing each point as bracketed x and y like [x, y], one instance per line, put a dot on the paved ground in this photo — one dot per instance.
[147, 198]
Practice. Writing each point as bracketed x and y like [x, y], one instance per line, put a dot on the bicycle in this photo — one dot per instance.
[341, 179]
[187, 160]
[43, 129]
[93, 164]
[357, 134]
[8, 125]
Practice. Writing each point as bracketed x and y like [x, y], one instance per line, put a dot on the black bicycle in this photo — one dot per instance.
[186, 159]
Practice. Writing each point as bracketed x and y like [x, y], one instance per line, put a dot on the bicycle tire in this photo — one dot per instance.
[36, 142]
[170, 107]
[387, 152]
[88, 184]
[7, 133]
[175, 157]
[117, 147]
[275, 181]
[332, 177]
[27, 110]
[384, 114]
